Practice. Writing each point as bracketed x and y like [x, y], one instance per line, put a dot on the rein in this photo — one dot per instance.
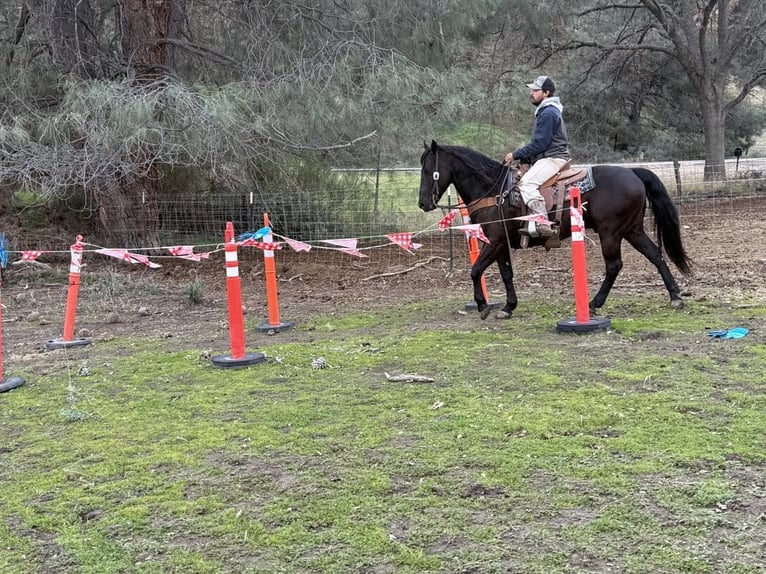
[476, 204]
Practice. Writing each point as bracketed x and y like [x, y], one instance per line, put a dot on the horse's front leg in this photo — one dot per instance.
[506, 272]
[487, 255]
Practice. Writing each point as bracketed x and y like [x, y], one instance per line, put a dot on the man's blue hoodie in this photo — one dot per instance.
[549, 134]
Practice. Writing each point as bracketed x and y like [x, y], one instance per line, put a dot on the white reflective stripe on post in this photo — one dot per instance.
[269, 238]
[578, 236]
[232, 272]
[76, 262]
[231, 256]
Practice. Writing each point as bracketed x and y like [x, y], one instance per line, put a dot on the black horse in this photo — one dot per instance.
[614, 209]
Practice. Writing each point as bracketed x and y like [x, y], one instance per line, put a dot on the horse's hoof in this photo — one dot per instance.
[677, 304]
[484, 313]
[502, 315]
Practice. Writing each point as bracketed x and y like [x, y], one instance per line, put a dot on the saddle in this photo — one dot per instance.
[554, 189]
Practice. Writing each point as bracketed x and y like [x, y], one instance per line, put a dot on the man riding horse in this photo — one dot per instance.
[548, 152]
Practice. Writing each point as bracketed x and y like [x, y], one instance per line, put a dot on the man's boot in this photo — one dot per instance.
[534, 229]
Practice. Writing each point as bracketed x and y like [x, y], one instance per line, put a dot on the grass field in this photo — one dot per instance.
[638, 451]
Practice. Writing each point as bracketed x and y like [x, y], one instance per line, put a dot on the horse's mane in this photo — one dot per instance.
[484, 167]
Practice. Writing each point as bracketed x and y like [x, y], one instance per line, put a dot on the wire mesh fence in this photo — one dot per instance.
[375, 203]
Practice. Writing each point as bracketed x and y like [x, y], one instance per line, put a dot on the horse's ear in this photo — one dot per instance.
[425, 145]
[434, 146]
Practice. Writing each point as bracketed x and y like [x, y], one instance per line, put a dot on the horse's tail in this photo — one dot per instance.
[666, 224]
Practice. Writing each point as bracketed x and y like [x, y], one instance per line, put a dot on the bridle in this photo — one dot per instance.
[435, 181]
[435, 195]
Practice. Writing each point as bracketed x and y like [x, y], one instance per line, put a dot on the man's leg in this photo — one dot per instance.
[529, 187]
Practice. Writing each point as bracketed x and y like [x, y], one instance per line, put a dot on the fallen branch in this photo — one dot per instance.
[554, 269]
[636, 285]
[392, 273]
[408, 378]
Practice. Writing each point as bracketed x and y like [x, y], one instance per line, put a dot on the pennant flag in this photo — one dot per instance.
[261, 233]
[403, 240]
[296, 245]
[347, 243]
[30, 255]
[181, 250]
[143, 259]
[447, 220]
[116, 253]
[261, 245]
[353, 251]
[129, 257]
[187, 252]
[473, 230]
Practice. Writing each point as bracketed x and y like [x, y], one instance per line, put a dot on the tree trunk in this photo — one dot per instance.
[129, 212]
[145, 27]
[715, 166]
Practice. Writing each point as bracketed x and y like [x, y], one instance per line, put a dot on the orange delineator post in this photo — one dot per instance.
[73, 293]
[473, 250]
[582, 310]
[238, 357]
[234, 295]
[272, 299]
[12, 382]
[582, 322]
[271, 276]
[1, 335]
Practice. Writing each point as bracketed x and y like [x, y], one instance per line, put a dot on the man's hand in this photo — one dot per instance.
[508, 159]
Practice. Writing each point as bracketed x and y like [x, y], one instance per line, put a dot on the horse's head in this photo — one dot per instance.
[435, 176]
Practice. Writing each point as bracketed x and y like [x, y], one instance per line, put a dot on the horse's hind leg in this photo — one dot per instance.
[610, 249]
[487, 255]
[506, 272]
[649, 249]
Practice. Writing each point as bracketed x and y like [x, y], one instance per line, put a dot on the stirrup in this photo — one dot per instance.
[550, 232]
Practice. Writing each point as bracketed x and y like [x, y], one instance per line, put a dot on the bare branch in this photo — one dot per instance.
[202, 51]
[746, 89]
[607, 7]
[617, 47]
[331, 147]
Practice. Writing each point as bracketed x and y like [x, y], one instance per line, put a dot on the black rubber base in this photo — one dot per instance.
[228, 362]
[594, 325]
[51, 344]
[278, 328]
[10, 383]
[472, 305]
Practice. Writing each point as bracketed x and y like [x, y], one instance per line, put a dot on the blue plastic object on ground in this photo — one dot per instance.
[733, 333]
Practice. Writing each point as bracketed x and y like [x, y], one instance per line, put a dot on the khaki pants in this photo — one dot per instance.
[538, 174]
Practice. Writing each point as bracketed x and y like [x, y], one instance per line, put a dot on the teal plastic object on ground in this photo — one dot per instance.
[733, 333]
